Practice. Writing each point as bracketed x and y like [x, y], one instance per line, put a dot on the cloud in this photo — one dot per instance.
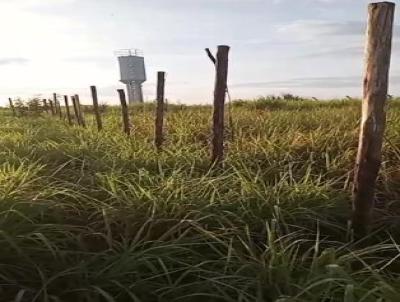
[353, 51]
[16, 60]
[33, 3]
[321, 27]
[88, 59]
[313, 28]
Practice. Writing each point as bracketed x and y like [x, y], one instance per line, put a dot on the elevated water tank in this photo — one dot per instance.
[133, 73]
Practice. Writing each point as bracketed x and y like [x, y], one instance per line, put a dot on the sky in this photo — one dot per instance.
[312, 48]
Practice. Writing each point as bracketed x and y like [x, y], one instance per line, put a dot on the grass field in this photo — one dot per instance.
[88, 216]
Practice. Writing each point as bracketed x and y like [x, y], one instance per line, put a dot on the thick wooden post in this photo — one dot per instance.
[67, 110]
[76, 110]
[80, 113]
[52, 107]
[378, 52]
[160, 110]
[96, 107]
[46, 108]
[221, 77]
[125, 113]
[12, 106]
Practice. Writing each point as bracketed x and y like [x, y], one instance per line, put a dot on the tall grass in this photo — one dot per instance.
[88, 216]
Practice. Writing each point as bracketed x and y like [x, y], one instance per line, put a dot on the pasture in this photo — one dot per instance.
[100, 216]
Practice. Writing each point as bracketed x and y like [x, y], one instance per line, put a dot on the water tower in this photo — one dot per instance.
[133, 73]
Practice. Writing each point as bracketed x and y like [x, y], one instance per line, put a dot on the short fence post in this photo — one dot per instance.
[125, 113]
[80, 114]
[67, 110]
[76, 110]
[57, 103]
[160, 110]
[96, 107]
[52, 107]
[46, 108]
[60, 110]
[378, 52]
[12, 106]
[221, 77]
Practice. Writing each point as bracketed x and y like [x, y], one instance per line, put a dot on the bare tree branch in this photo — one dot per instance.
[210, 55]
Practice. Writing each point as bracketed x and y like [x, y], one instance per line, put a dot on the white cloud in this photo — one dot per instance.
[312, 28]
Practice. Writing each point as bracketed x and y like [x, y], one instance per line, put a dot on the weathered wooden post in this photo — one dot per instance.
[12, 106]
[67, 110]
[96, 107]
[46, 108]
[221, 78]
[80, 113]
[378, 53]
[160, 110]
[125, 113]
[60, 110]
[55, 103]
[76, 110]
[52, 107]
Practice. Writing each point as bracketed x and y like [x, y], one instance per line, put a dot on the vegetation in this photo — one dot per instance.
[88, 216]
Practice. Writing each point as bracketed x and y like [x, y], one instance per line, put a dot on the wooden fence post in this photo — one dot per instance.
[76, 110]
[60, 110]
[125, 113]
[12, 106]
[378, 52]
[80, 114]
[52, 107]
[221, 77]
[55, 103]
[67, 110]
[96, 107]
[46, 108]
[160, 110]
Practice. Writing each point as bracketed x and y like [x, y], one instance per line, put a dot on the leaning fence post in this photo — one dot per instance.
[221, 77]
[125, 113]
[67, 110]
[76, 110]
[12, 106]
[378, 52]
[96, 107]
[160, 110]
[80, 114]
